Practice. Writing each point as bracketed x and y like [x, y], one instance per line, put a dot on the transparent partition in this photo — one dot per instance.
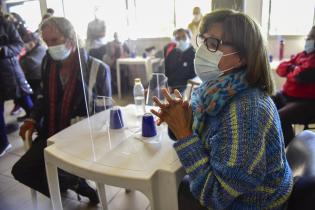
[156, 84]
[107, 130]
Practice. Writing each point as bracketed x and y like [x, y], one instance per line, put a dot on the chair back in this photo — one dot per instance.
[191, 85]
[301, 157]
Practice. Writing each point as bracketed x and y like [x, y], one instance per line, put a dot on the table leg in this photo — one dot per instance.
[53, 184]
[102, 194]
[165, 188]
[118, 79]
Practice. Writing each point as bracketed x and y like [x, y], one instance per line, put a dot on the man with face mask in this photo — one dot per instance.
[179, 60]
[194, 25]
[60, 100]
[296, 100]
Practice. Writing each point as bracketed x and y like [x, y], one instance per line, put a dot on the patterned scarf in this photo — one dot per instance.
[211, 96]
[68, 93]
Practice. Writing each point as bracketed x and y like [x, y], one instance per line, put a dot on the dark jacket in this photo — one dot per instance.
[179, 66]
[31, 62]
[102, 86]
[13, 83]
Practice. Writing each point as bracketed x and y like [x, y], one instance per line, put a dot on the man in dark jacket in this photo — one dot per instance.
[179, 60]
[12, 80]
[61, 100]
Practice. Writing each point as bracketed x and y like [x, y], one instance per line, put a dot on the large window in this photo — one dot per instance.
[291, 17]
[184, 9]
[24, 9]
[154, 18]
[130, 18]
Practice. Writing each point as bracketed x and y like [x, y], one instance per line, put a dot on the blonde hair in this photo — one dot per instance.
[245, 34]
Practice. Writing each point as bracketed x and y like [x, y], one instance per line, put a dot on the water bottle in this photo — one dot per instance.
[138, 94]
[281, 50]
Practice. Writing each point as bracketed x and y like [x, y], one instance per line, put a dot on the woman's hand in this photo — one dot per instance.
[176, 113]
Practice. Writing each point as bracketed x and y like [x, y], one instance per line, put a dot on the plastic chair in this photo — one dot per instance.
[301, 157]
[191, 84]
[27, 145]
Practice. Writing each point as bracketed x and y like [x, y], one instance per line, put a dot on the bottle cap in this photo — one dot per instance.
[137, 80]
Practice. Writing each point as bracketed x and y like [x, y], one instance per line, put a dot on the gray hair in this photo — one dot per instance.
[63, 25]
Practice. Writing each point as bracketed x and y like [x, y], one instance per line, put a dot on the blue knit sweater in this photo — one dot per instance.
[238, 161]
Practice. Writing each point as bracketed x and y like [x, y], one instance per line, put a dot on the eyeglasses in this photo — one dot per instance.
[211, 43]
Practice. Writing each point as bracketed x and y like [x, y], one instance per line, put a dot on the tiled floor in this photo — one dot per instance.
[16, 196]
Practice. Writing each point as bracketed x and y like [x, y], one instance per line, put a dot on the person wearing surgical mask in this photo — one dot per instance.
[179, 60]
[60, 100]
[228, 137]
[296, 100]
[194, 25]
[96, 32]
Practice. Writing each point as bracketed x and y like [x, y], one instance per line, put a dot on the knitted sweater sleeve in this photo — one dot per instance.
[231, 160]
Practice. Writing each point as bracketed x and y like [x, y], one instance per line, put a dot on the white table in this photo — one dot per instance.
[148, 63]
[125, 161]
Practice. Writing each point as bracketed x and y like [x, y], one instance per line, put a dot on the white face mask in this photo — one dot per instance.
[59, 52]
[197, 18]
[99, 42]
[309, 45]
[183, 44]
[207, 64]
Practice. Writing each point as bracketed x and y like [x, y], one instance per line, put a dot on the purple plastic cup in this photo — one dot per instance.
[148, 125]
[116, 120]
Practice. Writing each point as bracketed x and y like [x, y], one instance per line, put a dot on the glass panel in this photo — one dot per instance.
[156, 84]
[154, 18]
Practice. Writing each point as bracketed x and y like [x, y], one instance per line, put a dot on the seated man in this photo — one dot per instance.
[296, 101]
[179, 60]
[60, 100]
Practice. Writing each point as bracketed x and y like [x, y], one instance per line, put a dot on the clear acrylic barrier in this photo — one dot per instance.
[93, 139]
[156, 84]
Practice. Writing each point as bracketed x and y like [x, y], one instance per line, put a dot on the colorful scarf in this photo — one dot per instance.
[67, 96]
[211, 96]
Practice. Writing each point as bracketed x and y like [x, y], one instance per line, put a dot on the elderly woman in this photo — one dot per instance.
[229, 139]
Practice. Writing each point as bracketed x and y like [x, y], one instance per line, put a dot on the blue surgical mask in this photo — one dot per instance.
[59, 52]
[309, 45]
[207, 64]
[183, 45]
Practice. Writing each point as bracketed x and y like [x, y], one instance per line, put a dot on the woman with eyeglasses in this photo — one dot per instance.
[229, 138]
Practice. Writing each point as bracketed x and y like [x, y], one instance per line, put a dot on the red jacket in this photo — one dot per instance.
[300, 74]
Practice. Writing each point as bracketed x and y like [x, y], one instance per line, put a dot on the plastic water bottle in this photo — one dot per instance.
[138, 94]
[281, 50]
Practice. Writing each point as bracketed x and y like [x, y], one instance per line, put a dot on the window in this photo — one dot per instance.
[154, 18]
[130, 18]
[184, 9]
[24, 9]
[291, 17]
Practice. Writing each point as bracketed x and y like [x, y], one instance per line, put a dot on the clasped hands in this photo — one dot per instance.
[176, 112]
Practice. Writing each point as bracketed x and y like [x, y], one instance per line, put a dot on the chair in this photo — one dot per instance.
[27, 145]
[301, 157]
